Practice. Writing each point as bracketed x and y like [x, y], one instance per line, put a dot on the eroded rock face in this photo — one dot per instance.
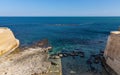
[8, 42]
[112, 52]
[32, 60]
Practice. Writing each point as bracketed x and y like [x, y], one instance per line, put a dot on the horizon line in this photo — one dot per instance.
[59, 16]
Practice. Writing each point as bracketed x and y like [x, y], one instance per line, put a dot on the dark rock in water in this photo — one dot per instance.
[95, 58]
[92, 69]
[65, 55]
[100, 41]
[54, 56]
[50, 51]
[82, 54]
[72, 54]
[93, 55]
[89, 61]
[96, 61]
[53, 63]
[42, 43]
[101, 53]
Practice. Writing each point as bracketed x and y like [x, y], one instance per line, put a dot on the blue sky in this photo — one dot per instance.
[59, 7]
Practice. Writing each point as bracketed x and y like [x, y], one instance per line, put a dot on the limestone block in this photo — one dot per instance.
[112, 51]
[7, 41]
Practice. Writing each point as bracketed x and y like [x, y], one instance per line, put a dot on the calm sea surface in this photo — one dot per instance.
[88, 34]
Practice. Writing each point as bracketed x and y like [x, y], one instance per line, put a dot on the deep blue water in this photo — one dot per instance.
[64, 33]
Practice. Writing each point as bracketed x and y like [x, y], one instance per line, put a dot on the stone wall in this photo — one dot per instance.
[112, 51]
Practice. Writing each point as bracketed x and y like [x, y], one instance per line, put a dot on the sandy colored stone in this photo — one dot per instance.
[7, 41]
[112, 51]
[30, 61]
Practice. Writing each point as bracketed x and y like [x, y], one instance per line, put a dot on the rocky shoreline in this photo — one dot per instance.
[32, 60]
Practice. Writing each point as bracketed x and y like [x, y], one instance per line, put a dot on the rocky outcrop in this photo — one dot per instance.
[30, 61]
[112, 51]
[8, 42]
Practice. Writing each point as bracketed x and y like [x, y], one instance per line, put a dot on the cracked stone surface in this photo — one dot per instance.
[28, 62]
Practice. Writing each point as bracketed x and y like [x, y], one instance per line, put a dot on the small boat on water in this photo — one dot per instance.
[8, 42]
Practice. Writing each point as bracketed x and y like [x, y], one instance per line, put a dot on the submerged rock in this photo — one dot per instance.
[42, 43]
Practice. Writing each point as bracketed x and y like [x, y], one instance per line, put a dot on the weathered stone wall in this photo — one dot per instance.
[112, 51]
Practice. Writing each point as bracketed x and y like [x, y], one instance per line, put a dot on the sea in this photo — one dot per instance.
[88, 34]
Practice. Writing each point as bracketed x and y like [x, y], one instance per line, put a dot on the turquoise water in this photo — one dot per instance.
[64, 33]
